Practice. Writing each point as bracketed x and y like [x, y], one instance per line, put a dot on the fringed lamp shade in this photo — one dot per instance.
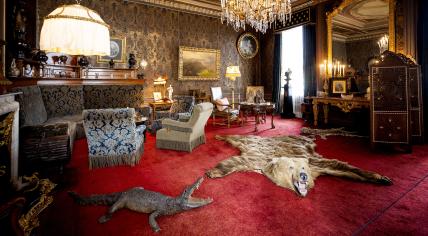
[75, 30]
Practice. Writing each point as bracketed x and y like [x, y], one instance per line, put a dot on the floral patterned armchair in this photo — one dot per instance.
[181, 109]
[113, 138]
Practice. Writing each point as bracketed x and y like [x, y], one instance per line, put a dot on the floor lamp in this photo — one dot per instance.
[232, 72]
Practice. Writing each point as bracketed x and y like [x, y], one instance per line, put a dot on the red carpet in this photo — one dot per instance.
[248, 203]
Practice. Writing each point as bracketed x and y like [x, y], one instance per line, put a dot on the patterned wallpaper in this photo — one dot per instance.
[155, 34]
[359, 52]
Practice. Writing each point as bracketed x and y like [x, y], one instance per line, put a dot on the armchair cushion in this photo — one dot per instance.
[222, 104]
[177, 125]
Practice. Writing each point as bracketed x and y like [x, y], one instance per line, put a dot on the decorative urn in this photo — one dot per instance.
[83, 61]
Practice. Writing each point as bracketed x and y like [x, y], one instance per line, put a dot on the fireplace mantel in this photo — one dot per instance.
[7, 105]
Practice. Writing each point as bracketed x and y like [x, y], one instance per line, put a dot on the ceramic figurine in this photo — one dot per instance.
[28, 72]
[132, 61]
[170, 91]
[13, 70]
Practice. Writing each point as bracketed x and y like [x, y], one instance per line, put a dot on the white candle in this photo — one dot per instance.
[325, 68]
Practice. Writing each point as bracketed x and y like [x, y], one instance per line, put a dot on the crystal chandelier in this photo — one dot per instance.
[259, 14]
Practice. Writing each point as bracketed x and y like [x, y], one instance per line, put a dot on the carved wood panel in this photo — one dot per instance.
[391, 128]
[389, 94]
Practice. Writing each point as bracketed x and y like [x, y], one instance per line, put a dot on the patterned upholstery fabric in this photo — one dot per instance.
[62, 100]
[185, 136]
[32, 110]
[183, 106]
[117, 96]
[113, 138]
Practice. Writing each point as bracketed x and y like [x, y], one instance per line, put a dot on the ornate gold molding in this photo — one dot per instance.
[206, 8]
[30, 220]
[6, 130]
[339, 9]
[183, 6]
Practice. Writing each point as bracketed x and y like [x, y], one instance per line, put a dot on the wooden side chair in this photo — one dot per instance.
[222, 108]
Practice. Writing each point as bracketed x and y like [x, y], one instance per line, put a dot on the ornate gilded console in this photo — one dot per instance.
[346, 105]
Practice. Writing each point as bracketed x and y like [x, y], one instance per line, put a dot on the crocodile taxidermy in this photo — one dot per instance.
[145, 201]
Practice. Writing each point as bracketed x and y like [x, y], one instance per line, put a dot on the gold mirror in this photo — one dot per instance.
[355, 27]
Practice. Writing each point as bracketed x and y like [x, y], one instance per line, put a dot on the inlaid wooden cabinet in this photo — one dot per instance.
[396, 101]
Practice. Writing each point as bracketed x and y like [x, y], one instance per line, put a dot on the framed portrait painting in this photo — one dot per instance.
[247, 45]
[117, 51]
[338, 86]
[198, 64]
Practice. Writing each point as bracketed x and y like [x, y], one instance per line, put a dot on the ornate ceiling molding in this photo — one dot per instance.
[209, 8]
[206, 8]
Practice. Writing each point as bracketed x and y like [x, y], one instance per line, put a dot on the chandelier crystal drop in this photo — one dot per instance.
[259, 14]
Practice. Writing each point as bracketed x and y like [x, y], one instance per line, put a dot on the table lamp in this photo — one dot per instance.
[232, 72]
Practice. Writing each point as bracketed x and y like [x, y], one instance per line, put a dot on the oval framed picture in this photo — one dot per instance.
[247, 45]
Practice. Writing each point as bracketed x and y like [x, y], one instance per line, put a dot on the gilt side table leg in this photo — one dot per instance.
[325, 106]
[315, 110]
[273, 126]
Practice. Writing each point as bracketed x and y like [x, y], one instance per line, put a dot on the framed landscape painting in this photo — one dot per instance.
[117, 51]
[198, 64]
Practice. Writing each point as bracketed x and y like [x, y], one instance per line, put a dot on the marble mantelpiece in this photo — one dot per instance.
[7, 105]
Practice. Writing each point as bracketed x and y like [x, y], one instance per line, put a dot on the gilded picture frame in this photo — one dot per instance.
[338, 86]
[247, 45]
[117, 51]
[198, 64]
[345, 3]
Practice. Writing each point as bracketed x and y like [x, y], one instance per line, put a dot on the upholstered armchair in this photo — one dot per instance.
[185, 136]
[222, 108]
[181, 109]
[113, 138]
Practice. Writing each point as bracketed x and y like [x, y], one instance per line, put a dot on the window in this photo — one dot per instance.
[292, 58]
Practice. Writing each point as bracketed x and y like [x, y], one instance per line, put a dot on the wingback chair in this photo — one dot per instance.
[185, 136]
[222, 108]
[181, 109]
[113, 138]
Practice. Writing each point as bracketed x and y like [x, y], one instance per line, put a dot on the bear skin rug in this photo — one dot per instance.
[289, 161]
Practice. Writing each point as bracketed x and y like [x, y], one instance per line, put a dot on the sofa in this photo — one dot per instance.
[51, 116]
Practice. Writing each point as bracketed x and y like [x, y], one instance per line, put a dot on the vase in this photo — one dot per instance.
[83, 61]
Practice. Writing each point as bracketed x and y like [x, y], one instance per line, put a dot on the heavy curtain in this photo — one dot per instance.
[276, 93]
[423, 52]
[309, 60]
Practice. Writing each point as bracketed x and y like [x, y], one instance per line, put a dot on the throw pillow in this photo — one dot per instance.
[220, 102]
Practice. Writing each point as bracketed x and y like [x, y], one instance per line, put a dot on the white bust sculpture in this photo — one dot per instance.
[170, 90]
